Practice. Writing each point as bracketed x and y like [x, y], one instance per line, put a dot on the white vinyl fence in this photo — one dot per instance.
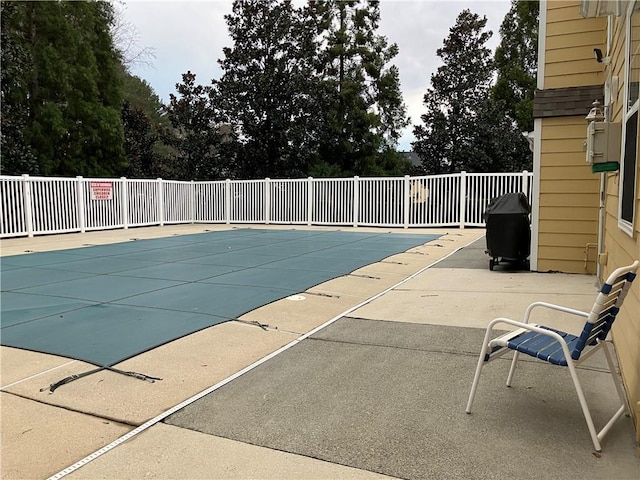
[41, 205]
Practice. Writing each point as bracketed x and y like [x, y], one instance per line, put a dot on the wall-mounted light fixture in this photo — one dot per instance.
[596, 114]
[599, 58]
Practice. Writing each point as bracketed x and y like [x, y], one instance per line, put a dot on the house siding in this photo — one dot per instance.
[568, 205]
[569, 43]
[569, 193]
[620, 247]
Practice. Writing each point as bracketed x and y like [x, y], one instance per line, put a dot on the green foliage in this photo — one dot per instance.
[69, 86]
[139, 141]
[498, 146]
[308, 89]
[15, 63]
[449, 139]
[363, 108]
[147, 129]
[468, 125]
[197, 137]
[517, 62]
[267, 92]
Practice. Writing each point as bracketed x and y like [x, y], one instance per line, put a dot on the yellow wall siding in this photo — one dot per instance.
[562, 172]
[569, 43]
[621, 248]
[568, 221]
[568, 204]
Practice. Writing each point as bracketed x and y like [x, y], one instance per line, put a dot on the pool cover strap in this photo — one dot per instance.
[140, 376]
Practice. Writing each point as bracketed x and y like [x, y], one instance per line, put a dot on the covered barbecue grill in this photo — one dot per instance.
[508, 230]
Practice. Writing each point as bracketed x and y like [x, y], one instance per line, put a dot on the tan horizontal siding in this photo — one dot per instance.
[574, 255]
[577, 130]
[566, 218]
[570, 186]
[557, 4]
[569, 43]
[558, 13]
[575, 80]
[566, 145]
[580, 39]
[580, 52]
[575, 240]
[577, 24]
[555, 200]
[562, 172]
[568, 206]
[575, 213]
[565, 266]
[576, 67]
[586, 227]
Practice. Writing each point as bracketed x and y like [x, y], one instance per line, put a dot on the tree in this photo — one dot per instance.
[516, 62]
[197, 137]
[267, 92]
[498, 146]
[139, 141]
[71, 89]
[363, 112]
[449, 140]
[147, 129]
[15, 63]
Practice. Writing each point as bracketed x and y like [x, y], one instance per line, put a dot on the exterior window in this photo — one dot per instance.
[630, 156]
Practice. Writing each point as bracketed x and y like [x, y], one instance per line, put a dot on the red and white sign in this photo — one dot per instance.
[101, 190]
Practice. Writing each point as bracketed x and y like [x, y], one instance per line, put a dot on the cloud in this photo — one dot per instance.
[190, 35]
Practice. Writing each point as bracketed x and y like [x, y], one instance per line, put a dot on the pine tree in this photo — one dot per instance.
[516, 61]
[363, 112]
[448, 140]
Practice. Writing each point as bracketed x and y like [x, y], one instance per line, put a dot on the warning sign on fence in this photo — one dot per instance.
[101, 190]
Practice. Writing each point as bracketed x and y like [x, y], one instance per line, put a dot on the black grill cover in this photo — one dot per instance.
[508, 229]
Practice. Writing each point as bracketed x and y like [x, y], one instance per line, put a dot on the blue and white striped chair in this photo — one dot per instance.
[563, 349]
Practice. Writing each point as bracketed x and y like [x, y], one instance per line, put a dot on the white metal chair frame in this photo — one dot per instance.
[594, 335]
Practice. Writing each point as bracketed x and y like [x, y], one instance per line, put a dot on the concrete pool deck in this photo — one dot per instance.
[351, 421]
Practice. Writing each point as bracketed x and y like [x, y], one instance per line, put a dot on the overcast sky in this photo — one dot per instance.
[189, 35]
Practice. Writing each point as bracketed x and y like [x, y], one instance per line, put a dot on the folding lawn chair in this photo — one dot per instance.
[563, 349]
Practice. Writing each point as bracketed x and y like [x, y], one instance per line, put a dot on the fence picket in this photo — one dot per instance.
[39, 205]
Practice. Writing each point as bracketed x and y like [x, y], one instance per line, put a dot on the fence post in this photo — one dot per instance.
[407, 200]
[192, 207]
[356, 196]
[160, 203]
[81, 206]
[525, 184]
[124, 198]
[227, 202]
[26, 192]
[309, 200]
[267, 198]
[463, 197]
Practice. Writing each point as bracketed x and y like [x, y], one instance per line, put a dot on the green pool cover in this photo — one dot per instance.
[104, 304]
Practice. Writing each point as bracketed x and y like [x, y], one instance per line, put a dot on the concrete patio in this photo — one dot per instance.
[378, 391]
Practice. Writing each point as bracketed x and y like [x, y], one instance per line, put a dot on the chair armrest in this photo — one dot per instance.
[552, 306]
[529, 327]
